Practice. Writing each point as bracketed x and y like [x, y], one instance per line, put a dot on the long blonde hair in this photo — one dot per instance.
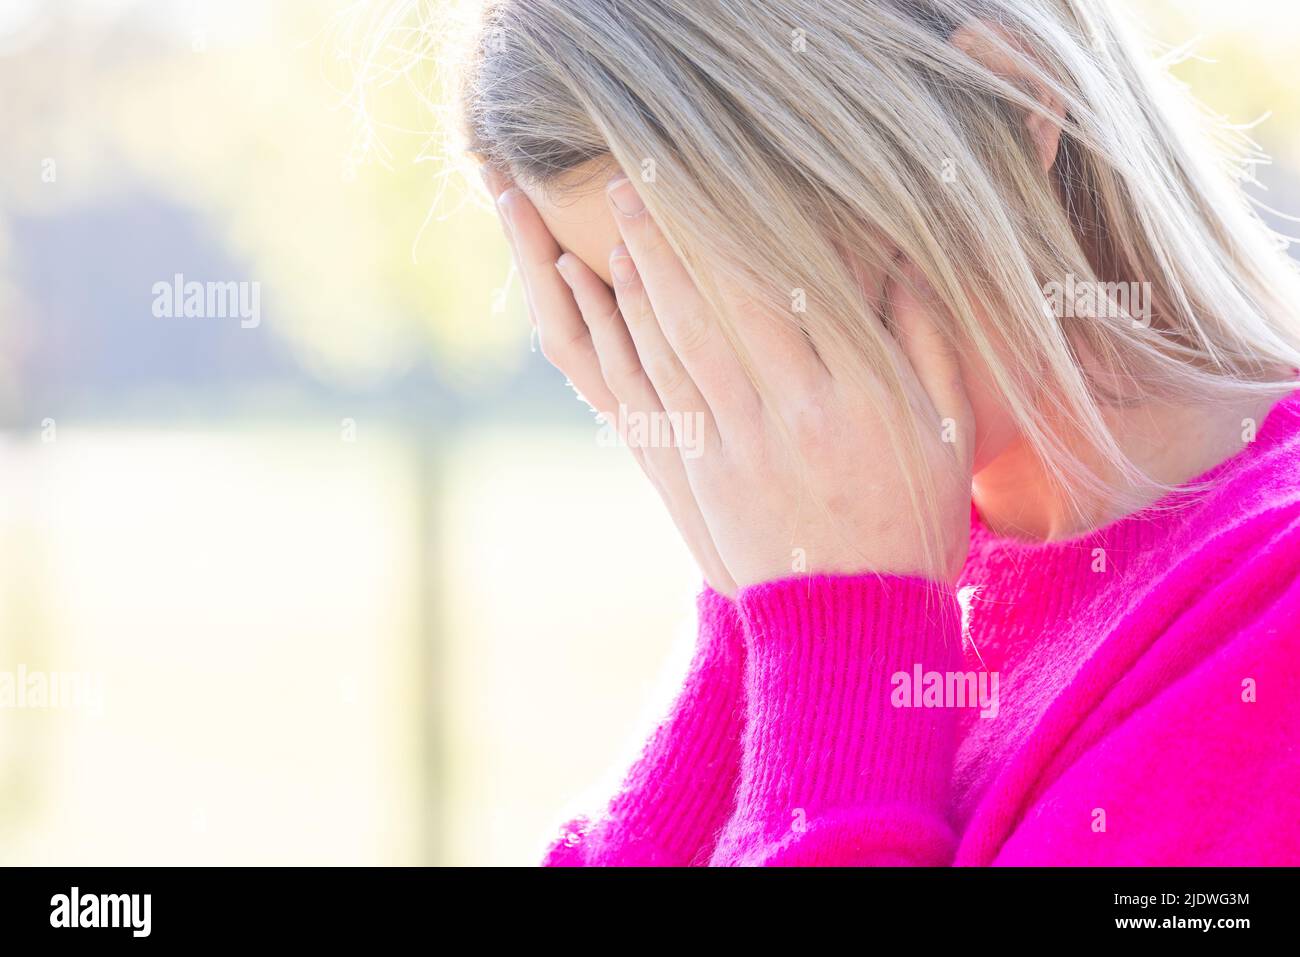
[770, 137]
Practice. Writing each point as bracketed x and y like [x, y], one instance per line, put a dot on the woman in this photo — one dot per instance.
[996, 488]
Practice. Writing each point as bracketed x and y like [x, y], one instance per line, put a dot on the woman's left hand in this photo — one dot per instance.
[846, 510]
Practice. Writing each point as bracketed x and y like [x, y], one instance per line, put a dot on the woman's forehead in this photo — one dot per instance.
[579, 218]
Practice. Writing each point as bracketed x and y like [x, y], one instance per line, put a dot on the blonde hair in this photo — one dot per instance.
[781, 134]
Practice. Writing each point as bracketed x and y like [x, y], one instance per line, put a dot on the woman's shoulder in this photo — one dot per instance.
[1256, 494]
[1235, 542]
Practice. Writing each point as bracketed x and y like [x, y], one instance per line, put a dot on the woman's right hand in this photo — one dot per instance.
[582, 333]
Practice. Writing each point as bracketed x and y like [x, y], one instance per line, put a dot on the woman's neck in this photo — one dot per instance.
[1017, 497]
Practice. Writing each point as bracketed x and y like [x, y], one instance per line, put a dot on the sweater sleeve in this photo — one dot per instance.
[844, 761]
[681, 790]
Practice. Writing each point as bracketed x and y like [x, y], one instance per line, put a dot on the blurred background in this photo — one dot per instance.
[342, 575]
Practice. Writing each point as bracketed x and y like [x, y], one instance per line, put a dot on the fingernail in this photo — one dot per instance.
[505, 206]
[622, 266]
[625, 197]
[562, 266]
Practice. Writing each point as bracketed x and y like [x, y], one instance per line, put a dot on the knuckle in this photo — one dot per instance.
[558, 351]
[636, 311]
[666, 373]
[620, 373]
[691, 333]
[656, 245]
[812, 427]
[649, 239]
[600, 319]
[549, 351]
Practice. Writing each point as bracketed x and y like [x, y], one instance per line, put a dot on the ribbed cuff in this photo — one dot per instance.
[831, 743]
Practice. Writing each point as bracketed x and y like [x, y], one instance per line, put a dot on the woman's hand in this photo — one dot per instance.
[847, 509]
[582, 333]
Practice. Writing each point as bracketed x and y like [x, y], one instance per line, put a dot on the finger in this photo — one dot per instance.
[496, 183]
[666, 372]
[780, 352]
[681, 312]
[620, 365]
[561, 333]
[634, 394]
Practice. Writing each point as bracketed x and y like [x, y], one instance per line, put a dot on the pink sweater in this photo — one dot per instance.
[1144, 711]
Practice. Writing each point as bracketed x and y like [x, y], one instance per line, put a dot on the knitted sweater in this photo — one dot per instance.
[1123, 698]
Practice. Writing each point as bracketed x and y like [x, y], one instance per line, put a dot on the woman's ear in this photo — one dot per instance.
[995, 49]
